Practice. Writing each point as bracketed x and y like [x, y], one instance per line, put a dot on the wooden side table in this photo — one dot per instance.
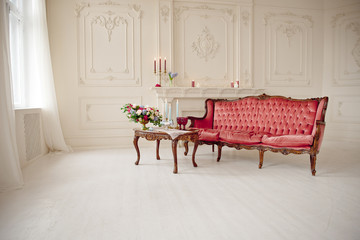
[162, 134]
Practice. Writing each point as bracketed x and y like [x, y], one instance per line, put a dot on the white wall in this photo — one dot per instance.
[341, 79]
[283, 46]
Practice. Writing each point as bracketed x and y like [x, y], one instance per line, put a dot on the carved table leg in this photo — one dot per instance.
[313, 163]
[157, 149]
[219, 153]
[196, 144]
[136, 139]
[261, 155]
[174, 150]
[186, 145]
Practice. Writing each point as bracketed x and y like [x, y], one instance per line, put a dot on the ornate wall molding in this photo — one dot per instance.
[205, 45]
[181, 9]
[245, 15]
[109, 43]
[109, 23]
[164, 12]
[288, 45]
[346, 49]
[209, 33]
[104, 112]
[345, 110]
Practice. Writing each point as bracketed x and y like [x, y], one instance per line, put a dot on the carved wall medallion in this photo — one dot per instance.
[205, 45]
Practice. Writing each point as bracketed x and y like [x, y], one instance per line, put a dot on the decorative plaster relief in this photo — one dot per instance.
[109, 23]
[104, 113]
[355, 27]
[181, 9]
[346, 49]
[113, 59]
[207, 32]
[205, 45]
[345, 110]
[288, 64]
[245, 15]
[289, 29]
[164, 12]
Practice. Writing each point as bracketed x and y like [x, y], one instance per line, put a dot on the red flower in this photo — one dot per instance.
[145, 117]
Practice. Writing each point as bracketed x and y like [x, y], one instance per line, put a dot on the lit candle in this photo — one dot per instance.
[177, 108]
[165, 65]
[154, 65]
[192, 83]
[159, 64]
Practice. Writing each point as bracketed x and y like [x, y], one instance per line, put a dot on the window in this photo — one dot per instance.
[16, 51]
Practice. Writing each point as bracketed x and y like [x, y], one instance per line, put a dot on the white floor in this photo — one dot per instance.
[101, 194]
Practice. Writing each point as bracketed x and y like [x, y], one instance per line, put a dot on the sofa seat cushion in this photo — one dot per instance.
[240, 137]
[211, 135]
[299, 140]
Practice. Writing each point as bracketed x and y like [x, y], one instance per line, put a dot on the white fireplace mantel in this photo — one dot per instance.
[170, 93]
[189, 101]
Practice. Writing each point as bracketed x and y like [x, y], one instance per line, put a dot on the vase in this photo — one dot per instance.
[143, 122]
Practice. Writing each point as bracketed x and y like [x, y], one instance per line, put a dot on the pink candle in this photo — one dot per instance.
[192, 83]
[165, 65]
[154, 65]
[232, 84]
[159, 64]
[238, 83]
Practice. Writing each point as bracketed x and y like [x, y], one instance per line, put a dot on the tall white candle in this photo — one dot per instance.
[169, 111]
[177, 108]
[166, 109]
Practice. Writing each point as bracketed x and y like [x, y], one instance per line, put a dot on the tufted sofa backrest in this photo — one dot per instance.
[275, 115]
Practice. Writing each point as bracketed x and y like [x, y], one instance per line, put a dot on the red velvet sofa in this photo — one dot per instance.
[265, 123]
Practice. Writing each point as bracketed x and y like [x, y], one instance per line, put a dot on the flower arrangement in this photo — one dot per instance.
[142, 114]
[171, 77]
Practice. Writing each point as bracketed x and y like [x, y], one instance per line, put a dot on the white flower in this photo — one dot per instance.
[138, 112]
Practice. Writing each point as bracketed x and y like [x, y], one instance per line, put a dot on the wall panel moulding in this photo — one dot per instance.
[288, 49]
[346, 49]
[209, 42]
[109, 43]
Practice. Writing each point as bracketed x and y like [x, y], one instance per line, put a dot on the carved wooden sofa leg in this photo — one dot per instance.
[313, 163]
[261, 155]
[219, 152]
[213, 147]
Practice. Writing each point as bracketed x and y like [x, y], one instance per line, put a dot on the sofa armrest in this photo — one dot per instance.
[319, 135]
[207, 120]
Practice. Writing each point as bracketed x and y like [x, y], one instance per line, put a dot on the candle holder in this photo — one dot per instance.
[160, 75]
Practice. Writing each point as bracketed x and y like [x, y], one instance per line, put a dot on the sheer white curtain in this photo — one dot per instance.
[10, 172]
[38, 71]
